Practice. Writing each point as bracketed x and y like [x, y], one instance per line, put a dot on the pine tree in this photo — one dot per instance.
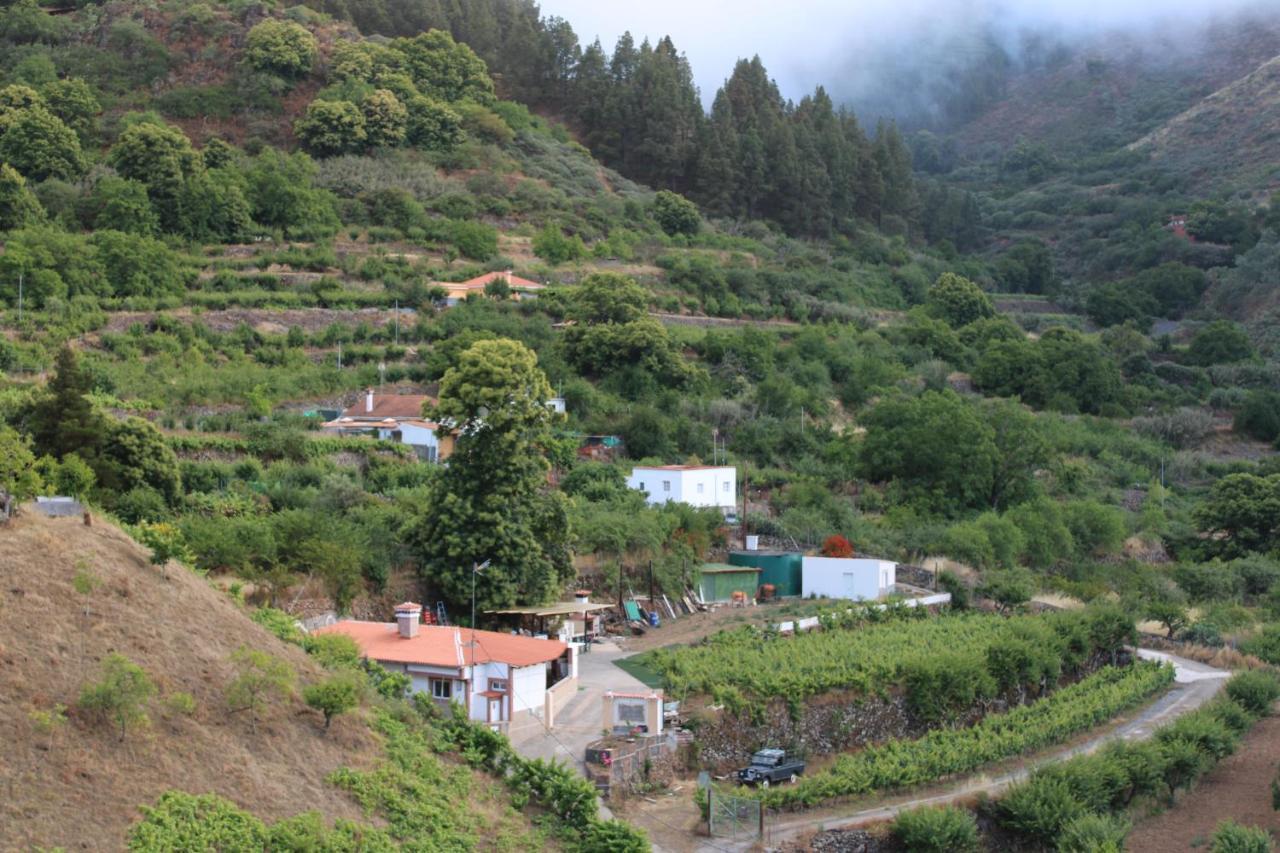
[63, 420]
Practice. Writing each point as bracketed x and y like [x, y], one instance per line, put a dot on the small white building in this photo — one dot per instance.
[856, 578]
[499, 678]
[696, 485]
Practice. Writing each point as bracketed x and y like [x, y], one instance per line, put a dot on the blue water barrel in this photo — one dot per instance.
[653, 618]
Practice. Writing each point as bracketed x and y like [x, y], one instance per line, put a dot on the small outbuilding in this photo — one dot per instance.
[780, 569]
[718, 582]
[856, 578]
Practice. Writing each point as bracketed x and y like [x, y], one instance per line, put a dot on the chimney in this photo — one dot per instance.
[407, 616]
[368, 400]
[582, 596]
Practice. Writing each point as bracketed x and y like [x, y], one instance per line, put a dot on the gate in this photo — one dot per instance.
[733, 817]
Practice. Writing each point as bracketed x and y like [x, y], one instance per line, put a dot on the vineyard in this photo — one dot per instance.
[945, 752]
[927, 655]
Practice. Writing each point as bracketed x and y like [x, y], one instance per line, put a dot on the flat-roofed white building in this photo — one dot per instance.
[696, 485]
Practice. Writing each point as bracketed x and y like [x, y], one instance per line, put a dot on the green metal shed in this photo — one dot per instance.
[718, 582]
[780, 568]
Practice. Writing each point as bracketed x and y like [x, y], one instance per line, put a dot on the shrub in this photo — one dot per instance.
[336, 695]
[1255, 691]
[836, 546]
[333, 651]
[675, 214]
[329, 128]
[1040, 808]
[279, 623]
[936, 830]
[1231, 837]
[1094, 833]
[121, 695]
[474, 240]
[261, 679]
[280, 47]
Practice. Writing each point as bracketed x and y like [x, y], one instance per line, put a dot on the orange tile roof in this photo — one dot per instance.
[387, 406]
[513, 280]
[437, 645]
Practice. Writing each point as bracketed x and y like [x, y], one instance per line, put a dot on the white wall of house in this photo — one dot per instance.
[530, 687]
[700, 487]
[420, 436]
[857, 578]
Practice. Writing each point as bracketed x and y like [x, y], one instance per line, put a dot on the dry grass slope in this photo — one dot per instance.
[84, 791]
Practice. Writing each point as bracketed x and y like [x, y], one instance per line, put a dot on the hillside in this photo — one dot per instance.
[1229, 139]
[83, 789]
[1112, 88]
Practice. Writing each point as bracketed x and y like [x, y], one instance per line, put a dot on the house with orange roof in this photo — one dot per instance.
[696, 485]
[505, 680]
[520, 288]
[395, 417]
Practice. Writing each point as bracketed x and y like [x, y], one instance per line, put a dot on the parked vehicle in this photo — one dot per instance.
[771, 765]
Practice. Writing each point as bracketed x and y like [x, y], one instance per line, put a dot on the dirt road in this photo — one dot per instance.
[1194, 684]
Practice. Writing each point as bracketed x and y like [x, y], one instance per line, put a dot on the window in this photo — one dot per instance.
[441, 688]
[498, 685]
[666, 485]
[699, 488]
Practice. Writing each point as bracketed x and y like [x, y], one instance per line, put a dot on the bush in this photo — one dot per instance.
[936, 830]
[475, 240]
[1040, 808]
[1094, 833]
[335, 695]
[1231, 837]
[333, 651]
[675, 214]
[280, 47]
[1255, 691]
[121, 695]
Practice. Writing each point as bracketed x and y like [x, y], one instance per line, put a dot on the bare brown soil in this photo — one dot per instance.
[83, 789]
[1239, 789]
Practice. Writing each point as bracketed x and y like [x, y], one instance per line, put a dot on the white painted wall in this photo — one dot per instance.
[530, 687]
[856, 578]
[700, 487]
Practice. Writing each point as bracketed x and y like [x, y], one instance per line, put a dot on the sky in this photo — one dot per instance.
[805, 42]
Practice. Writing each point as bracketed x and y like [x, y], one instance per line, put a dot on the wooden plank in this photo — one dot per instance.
[667, 602]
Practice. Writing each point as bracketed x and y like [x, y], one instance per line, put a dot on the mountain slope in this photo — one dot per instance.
[1230, 137]
[182, 632]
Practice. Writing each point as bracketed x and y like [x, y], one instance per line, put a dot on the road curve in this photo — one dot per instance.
[1194, 684]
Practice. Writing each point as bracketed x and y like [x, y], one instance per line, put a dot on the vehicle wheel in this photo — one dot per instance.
[764, 783]
[794, 777]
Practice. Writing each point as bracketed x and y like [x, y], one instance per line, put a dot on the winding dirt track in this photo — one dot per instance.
[1194, 684]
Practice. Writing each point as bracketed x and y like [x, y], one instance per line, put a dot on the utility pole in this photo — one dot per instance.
[397, 322]
[652, 597]
[20, 275]
[339, 355]
[476, 568]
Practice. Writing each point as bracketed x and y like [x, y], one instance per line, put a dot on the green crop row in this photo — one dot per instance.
[1020, 654]
[945, 752]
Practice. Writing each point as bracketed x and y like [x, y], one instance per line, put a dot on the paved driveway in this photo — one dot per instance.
[580, 721]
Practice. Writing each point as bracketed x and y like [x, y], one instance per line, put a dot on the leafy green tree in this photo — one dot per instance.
[332, 127]
[36, 143]
[444, 69]
[386, 119]
[211, 206]
[1026, 268]
[432, 125]
[280, 47]
[282, 195]
[675, 214]
[607, 298]
[72, 100]
[555, 247]
[1220, 342]
[496, 399]
[161, 158]
[935, 448]
[67, 476]
[1242, 514]
[122, 694]
[958, 300]
[1259, 417]
[1118, 303]
[135, 265]
[121, 204]
[1169, 612]
[134, 454]
[475, 240]
[18, 205]
[261, 679]
[18, 473]
[337, 694]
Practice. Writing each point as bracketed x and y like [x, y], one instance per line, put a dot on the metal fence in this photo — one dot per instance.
[730, 816]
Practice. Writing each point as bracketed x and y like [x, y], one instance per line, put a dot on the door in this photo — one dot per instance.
[850, 587]
[495, 710]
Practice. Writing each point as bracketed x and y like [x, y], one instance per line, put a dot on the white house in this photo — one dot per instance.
[500, 678]
[394, 417]
[858, 578]
[696, 485]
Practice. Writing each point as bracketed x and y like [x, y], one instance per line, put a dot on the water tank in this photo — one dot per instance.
[779, 568]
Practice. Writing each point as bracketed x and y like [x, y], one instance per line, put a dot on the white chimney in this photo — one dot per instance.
[368, 400]
[582, 596]
[407, 616]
